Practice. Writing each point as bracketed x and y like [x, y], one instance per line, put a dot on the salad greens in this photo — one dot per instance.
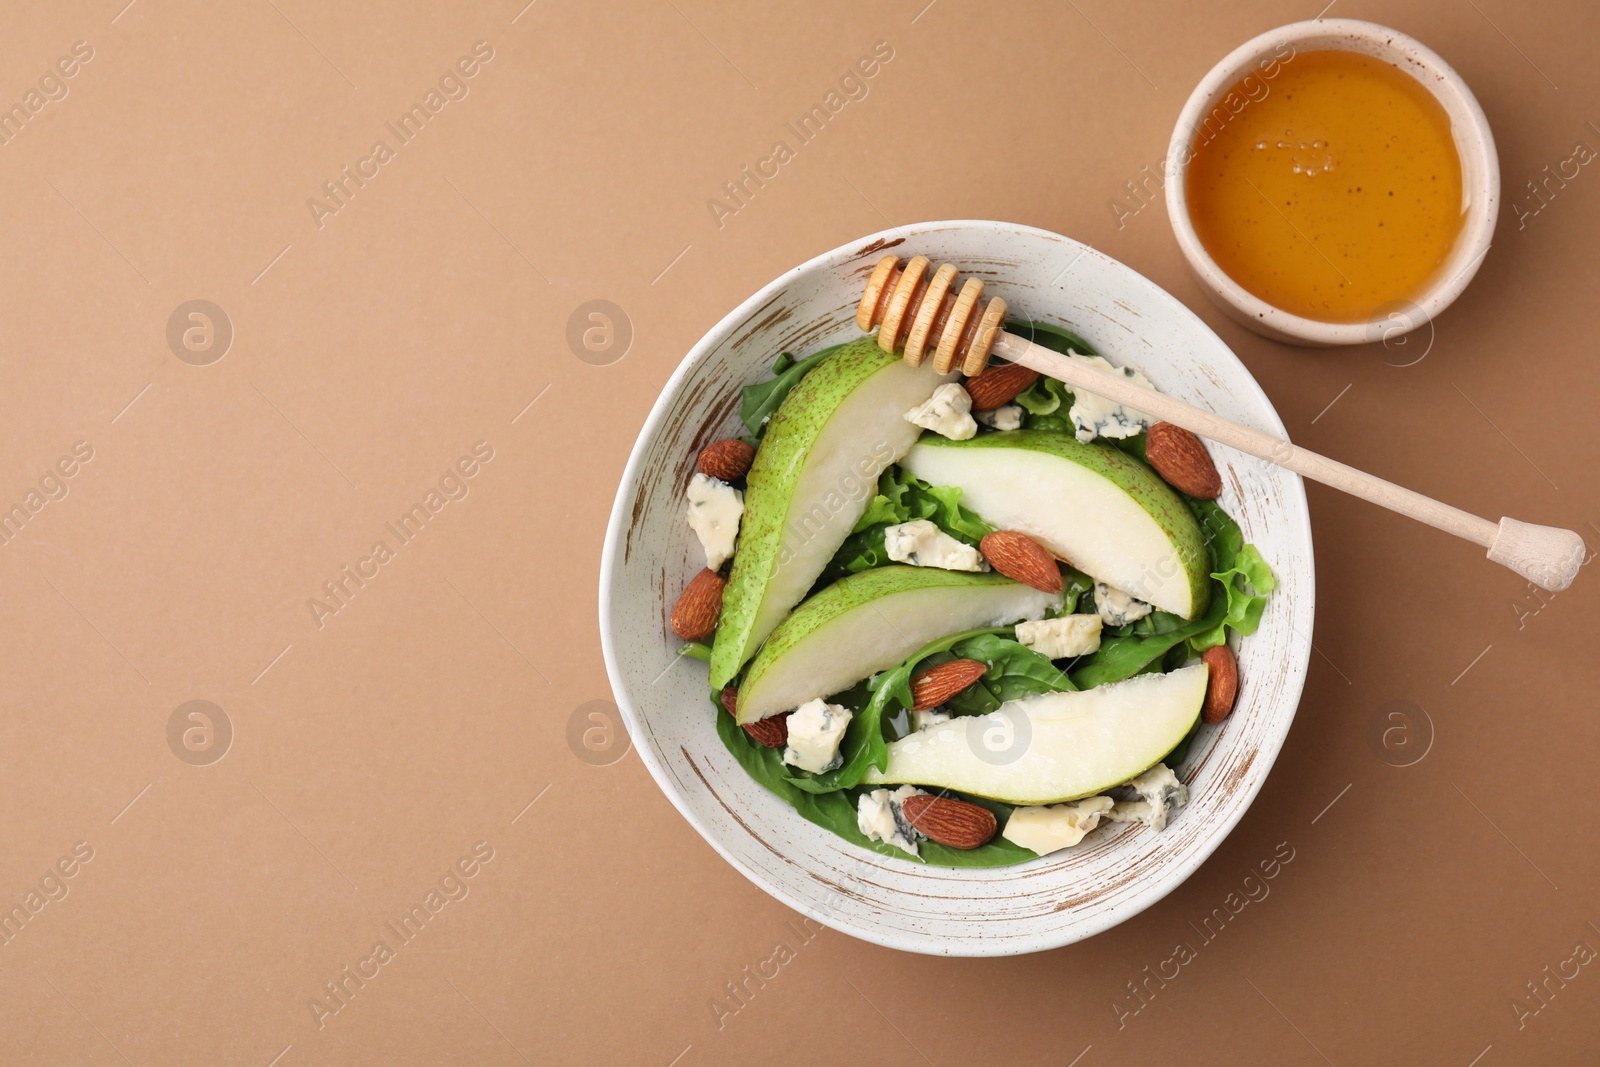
[762, 399]
[880, 705]
[836, 811]
[902, 498]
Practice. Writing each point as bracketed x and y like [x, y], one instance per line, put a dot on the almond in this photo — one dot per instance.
[937, 684]
[726, 460]
[1020, 557]
[1222, 687]
[1182, 461]
[694, 616]
[948, 821]
[772, 732]
[1000, 384]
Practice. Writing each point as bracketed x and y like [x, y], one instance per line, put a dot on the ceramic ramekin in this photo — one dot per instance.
[1480, 177]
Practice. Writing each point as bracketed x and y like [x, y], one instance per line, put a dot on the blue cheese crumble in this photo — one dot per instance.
[715, 509]
[879, 816]
[948, 412]
[1004, 417]
[1116, 607]
[1063, 637]
[815, 730]
[922, 544]
[1093, 416]
[1158, 793]
[1058, 826]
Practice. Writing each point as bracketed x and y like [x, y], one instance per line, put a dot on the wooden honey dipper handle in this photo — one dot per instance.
[916, 311]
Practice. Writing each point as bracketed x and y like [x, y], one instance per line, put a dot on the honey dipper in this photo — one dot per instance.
[923, 312]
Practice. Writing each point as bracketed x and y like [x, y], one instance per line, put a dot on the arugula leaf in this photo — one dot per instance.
[762, 399]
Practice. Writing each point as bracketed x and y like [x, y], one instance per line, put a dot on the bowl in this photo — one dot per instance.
[1480, 179]
[650, 554]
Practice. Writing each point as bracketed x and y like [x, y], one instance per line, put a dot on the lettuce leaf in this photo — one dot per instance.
[1242, 578]
[1245, 587]
[901, 498]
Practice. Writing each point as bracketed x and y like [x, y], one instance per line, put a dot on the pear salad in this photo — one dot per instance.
[963, 624]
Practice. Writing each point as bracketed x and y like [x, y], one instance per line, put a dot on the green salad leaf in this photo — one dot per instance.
[1245, 587]
[1047, 401]
[762, 399]
[863, 744]
[1045, 397]
[836, 811]
[1125, 656]
[1244, 580]
[1015, 671]
[902, 497]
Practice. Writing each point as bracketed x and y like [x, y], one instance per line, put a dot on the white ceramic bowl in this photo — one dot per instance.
[1480, 178]
[650, 554]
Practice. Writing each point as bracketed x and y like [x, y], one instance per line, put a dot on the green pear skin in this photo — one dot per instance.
[1092, 505]
[869, 622]
[812, 478]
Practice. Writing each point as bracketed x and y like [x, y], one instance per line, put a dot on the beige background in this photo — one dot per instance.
[372, 753]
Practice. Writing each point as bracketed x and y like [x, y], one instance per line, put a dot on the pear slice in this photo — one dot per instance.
[1053, 747]
[871, 621]
[812, 478]
[1093, 505]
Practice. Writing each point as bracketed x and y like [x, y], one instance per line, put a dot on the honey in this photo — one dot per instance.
[1333, 192]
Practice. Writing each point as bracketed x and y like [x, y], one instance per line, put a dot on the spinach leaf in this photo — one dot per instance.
[762, 399]
[836, 811]
[1125, 656]
[1222, 535]
[1075, 585]
[1015, 671]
